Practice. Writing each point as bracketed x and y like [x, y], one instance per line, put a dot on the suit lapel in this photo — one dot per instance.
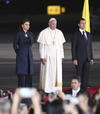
[83, 39]
[81, 36]
[87, 35]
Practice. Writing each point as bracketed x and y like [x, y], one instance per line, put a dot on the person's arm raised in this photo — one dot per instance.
[36, 102]
[15, 102]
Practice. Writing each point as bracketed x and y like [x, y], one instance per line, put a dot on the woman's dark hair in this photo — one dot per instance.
[23, 21]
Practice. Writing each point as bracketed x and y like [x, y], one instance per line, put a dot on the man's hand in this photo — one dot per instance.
[61, 94]
[92, 62]
[43, 61]
[75, 62]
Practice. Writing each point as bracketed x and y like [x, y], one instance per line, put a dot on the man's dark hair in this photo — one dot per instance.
[81, 19]
[77, 78]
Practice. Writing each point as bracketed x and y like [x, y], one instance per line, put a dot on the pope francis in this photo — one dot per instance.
[51, 42]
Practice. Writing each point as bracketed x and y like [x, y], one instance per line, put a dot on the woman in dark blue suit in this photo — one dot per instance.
[24, 58]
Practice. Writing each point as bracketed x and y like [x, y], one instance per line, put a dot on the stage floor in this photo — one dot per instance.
[8, 78]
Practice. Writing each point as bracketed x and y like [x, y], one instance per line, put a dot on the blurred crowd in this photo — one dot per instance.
[33, 101]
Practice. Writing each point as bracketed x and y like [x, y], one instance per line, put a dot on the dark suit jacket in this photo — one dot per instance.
[24, 57]
[81, 48]
[70, 91]
[81, 91]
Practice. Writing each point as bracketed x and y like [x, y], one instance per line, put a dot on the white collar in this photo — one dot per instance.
[51, 29]
[81, 30]
[76, 91]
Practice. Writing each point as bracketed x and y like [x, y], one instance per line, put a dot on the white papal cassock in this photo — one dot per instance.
[51, 48]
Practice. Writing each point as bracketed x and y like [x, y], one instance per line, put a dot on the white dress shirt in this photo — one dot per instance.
[82, 32]
[74, 92]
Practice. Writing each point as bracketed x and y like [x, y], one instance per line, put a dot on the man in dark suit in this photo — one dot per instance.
[75, 86]
[76, 89]
[82, 52]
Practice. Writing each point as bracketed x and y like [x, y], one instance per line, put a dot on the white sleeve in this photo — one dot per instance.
[42, 50]
[62, 51]
[61, 46]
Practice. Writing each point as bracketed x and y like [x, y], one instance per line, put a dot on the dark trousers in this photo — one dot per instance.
[24, 80]
[82, 70]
